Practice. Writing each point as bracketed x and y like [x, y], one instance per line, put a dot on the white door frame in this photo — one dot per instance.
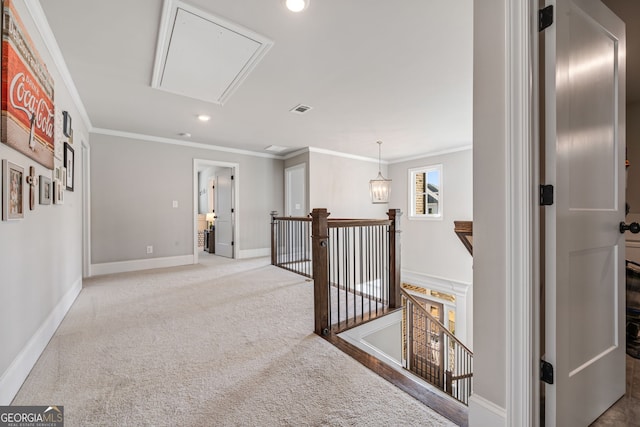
[86, 209]
[199, 163]
[523, 235]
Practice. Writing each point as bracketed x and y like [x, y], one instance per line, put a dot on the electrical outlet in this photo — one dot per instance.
[175, 203]
[149, 249]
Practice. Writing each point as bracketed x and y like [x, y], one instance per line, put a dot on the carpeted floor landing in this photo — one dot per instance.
[222, 343]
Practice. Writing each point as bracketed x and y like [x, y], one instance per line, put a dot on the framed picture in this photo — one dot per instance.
[12, 191]
[58, 192]
[28, 111]
[46, 190]
[69, 164]
[66, 125]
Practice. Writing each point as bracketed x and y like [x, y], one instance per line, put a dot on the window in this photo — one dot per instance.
[425, 190]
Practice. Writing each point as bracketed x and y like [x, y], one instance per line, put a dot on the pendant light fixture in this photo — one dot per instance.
[380, 187]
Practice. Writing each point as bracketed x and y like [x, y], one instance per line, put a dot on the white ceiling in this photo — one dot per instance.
[396, 71]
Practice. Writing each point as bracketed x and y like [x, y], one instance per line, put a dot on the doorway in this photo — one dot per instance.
[215, 189]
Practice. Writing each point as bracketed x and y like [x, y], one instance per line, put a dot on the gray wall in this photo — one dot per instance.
[40, 255]
[430, 246]
[633, 155]
[341, 185]
[134, 183]
[489, 206]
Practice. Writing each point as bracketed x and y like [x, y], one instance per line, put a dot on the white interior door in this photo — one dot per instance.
[584, 250]
[295, 190]
[224, 212]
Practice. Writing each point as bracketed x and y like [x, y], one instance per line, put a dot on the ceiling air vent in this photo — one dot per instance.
[300, 109]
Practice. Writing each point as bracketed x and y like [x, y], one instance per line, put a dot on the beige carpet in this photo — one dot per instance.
[221, 343]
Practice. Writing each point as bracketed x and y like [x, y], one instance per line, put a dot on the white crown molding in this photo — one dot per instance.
[345, 155]
[38, 16]
[331, 153]
[432, 154]
[150, 138]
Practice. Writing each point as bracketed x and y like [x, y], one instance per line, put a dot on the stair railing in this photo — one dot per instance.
[356, 269]
[433, 353]
[291, 244]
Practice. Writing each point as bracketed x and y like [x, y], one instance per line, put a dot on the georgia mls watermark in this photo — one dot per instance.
[31, 416]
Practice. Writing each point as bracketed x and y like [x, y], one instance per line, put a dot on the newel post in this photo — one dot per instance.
[274, 254]
[320, 255]
[394, 258]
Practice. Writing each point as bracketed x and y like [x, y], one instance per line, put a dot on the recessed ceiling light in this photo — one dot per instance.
[185, 134]
[296, 5]
[204, 118]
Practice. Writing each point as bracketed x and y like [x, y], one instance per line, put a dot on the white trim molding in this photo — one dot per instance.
[488, 413]
[254, 253]
[140, 264]
[171, 141]
[523, 230]
[462, 292]
[433, 154]
[15, 375]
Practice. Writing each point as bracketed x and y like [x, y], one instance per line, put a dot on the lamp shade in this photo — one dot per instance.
[380, 189]
[210, 217]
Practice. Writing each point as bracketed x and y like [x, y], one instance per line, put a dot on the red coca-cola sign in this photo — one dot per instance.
[28, 115]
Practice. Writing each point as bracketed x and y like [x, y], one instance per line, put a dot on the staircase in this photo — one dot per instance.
[355, 265]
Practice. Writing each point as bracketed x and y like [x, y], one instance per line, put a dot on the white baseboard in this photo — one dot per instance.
[483, 412]
[17, 372]
[254, 253]
[140, 264]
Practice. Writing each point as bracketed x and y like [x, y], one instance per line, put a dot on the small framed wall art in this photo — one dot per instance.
[58, 192]
[67, 130]
[12, 191]
[46, 190]
[69, 164]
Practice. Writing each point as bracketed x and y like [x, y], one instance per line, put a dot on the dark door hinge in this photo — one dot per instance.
[545, 18]
[546, 195]
[231, 177]
[546, 372]
[232, 243]
[232, 210]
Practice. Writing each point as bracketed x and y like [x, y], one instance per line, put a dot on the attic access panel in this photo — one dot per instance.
[203, 56]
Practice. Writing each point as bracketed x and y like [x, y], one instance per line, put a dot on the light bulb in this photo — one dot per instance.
[296, 5]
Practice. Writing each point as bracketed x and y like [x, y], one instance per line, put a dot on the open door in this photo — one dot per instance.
[224, 213]
[584, 250]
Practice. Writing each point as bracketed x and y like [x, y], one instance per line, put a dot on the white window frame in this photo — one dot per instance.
[411, 180]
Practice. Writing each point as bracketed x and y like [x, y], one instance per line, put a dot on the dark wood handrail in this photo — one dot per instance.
[338, 222]
[292, 218]
[434, 320]
[335, 223]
